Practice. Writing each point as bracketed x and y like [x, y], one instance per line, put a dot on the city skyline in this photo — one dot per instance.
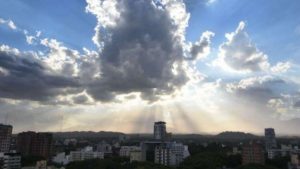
[202, 66]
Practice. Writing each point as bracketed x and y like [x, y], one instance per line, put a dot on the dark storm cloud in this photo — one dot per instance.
[142, 49]
[139, 54]
[25, 77]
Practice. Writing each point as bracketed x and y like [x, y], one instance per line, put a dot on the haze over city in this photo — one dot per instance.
[202, 66]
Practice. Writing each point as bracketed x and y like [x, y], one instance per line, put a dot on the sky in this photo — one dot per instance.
[203, 66]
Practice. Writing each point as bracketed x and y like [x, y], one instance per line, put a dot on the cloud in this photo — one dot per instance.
[141, 49]
[286, 106]
[201, 48]
[297, 104]
[281, 67]
[279, 95]
[239, 54]
[27, 77]
[259, 89]
[142, 45]
[9, 23]
[32, 39]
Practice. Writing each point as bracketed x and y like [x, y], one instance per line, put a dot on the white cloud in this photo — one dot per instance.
[107, 14]
[248, 82]
[285, 106]
[281, 67]
[179, 15]
[210, 2]
[239, 54]
[32, 39]
[60, 58]
[201, 48]
[12, 25]
[9, 23]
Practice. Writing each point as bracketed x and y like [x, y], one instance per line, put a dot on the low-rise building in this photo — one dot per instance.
[105, 148]
[295, 162]
[136, 155]
[11, 161]
[86, 153]
[126, 150]
[61, 158]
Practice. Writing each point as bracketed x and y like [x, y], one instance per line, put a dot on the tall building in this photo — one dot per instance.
[270, 139]
[37, 144]
[160, 131]
[5, 136]
[253, 153]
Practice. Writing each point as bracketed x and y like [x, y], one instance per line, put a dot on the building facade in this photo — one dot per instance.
[270, 139]
[37, 144]
[136, 155]
[11, 161]
[253, 153]
[126, 150]
[85, 154]
[160, 131]
[5, 137]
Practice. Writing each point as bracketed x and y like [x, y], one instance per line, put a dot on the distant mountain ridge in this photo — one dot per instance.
[88, 134]
[235, 135]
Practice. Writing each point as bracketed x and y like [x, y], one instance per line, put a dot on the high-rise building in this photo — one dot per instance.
[37, 144]
[270, 139]
[5, 136]
[160, 131]
[253, 153]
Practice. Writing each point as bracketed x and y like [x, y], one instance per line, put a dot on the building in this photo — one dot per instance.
[126, 150]
[41, 164]
[11, 161]
[5, 136]
[295, 162]
[274, 153]
[85, 154]
[136, 155]
[164, 155]
[270, 139]
[170, 153]
[36, 144]
[61, 158]
[160, 131]
[253, 153]
[105, 148]
[162, 150]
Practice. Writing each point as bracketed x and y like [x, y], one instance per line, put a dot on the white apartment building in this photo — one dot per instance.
[126, 150]
[171, 154]
[11, 160]
[136, 155]
[61, 158]
[86, 153]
